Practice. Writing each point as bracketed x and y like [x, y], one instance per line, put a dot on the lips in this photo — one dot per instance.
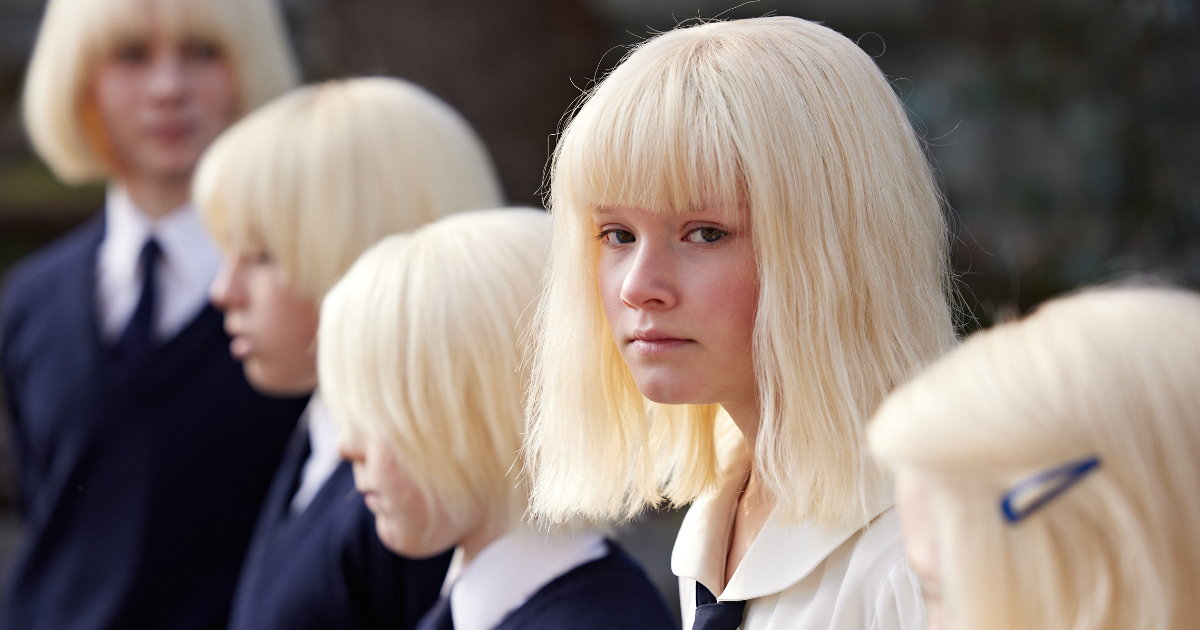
[240, 347]
[654, 342]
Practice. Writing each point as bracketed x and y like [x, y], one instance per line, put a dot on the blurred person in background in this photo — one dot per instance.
[142, 453]
[748, 235]
[422, 356]
[1048, 470]
[293, 194]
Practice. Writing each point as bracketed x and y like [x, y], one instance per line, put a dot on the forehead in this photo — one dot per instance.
[115, 21]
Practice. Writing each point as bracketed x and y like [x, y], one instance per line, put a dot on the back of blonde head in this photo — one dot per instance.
[318, 175]
[421, 345]
[76, 33]
[796, 123]
[1110, 372]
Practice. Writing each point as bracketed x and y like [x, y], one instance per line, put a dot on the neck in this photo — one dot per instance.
[754, 503]
[157, 197]
[491, 527]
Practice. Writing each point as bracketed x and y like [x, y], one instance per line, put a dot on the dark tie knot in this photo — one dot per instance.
[714, 615]
[137, 340]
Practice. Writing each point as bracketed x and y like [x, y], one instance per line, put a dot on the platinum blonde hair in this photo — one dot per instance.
[794, 122]
[75, 33]
[323, 172]
[1109, 372]
[421, 345]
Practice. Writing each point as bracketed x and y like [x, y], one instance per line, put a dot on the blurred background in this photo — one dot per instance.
[1066, 133]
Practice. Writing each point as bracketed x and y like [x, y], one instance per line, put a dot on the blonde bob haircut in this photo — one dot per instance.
[795, 123]
[74, 34]
[1109, 372]
[421, 346]
[323, 172]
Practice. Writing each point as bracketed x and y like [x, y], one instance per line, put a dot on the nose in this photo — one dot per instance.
[227, 291]
[167, 81]
[651, 283]
[350, 444]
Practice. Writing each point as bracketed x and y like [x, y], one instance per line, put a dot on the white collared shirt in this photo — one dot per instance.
[510, 570]
[323, 458]
[189, 262]
[799, 577]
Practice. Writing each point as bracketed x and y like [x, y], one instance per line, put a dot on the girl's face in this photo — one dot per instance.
[273, 327]
[914, 506]
[160, 102]
[680, 292]
[406, 523]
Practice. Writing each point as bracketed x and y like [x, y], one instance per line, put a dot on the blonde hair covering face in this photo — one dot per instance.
[75, 33]
[421, 345]
[794, 122]
[1111, 372]
[323, 172]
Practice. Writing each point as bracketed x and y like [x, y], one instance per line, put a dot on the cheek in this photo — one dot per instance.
[610, 276]
[216, 94]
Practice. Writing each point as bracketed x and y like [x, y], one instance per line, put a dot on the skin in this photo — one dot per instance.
[914, 506]
[160, 103]
[680, 293]
[273, 327]
[407, 523]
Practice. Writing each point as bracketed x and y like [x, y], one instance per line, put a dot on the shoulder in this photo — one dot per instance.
[39, 274]
[611, 592]
[877, 579]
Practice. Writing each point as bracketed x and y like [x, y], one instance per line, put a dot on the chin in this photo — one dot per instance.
[270, 384]
[402, 542]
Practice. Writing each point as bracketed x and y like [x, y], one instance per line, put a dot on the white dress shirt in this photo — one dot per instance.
[801, 577]
[189, 262]
[323, 459]
[510, 570]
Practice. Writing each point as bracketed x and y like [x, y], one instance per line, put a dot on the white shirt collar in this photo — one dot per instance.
[779, 557]
[506, 573]
[189, 262]
[323, 459]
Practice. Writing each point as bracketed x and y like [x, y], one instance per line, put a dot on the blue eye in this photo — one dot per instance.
[706, 235]
[617, 237]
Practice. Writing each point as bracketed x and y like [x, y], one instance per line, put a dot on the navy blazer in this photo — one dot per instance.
[140, 484]
[607, 593]
[325, 567]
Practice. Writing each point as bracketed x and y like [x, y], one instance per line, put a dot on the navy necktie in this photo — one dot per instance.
[438, 617]
[714, 615]
[137, 340]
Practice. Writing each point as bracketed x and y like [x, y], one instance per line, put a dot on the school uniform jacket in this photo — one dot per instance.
[325, 568]
[140, 483]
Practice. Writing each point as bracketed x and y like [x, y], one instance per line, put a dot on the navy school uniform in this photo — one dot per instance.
[140, 483]
[325, 567]
[611, 592]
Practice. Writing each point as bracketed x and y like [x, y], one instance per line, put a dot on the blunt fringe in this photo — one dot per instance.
[75, 33]
[421, 345]
[794, 122]
[323, 172]
[1108, 372]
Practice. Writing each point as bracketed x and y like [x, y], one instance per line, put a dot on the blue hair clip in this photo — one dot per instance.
[1027, 497]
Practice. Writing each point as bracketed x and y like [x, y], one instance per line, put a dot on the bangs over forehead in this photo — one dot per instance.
[649, 137]
[116, 22]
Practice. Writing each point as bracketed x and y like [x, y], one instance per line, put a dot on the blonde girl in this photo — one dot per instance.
[749, 253]
[1047, 470]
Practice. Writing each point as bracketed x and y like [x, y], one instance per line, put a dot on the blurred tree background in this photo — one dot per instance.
[1066, 132]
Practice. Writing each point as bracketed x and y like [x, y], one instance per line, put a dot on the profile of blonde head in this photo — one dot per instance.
[321, 173]
[421, 349]
[61, 120]
[1095, 398]
[793, 124]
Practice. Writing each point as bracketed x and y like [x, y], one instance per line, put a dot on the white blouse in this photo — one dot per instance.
[801, 577]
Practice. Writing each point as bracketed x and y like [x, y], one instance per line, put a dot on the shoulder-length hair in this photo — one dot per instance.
[323, 172]
[794, 122]
[75, 33]
[1110, 373]
[421, 345]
